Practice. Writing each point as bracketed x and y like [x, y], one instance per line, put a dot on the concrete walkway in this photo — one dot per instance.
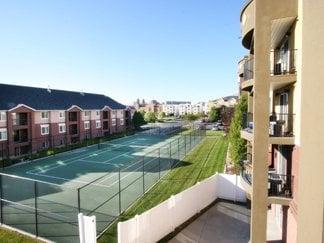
[223, 223]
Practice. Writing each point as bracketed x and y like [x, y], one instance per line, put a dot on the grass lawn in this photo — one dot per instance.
[8, 236]
[208, 158]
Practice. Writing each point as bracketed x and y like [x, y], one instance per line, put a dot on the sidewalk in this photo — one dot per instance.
[223, 223]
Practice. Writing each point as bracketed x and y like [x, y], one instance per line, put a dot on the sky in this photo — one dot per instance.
[126, 49]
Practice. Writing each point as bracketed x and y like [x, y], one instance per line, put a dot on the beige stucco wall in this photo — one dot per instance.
[311, 183]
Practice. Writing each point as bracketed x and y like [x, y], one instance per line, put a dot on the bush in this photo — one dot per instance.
[237, 149]
[150, 117]
[138, 119]
[214, 114]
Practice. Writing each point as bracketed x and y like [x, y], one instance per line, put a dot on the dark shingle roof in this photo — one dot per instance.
[42, 99]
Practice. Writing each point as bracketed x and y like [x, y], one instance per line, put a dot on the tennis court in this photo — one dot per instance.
[43, 197]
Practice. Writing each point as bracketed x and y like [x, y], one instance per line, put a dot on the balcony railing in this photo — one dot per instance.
[280, 124]
[283, 62]
[280, 185]
[20, 122]
[248, 69]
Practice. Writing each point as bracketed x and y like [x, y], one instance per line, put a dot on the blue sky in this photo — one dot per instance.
[161, 49]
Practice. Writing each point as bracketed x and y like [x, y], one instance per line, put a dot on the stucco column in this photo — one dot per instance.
[261, 121]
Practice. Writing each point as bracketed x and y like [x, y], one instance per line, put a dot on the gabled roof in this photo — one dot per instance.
[44, 99]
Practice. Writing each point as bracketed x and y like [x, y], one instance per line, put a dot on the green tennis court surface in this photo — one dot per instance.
[101, 180]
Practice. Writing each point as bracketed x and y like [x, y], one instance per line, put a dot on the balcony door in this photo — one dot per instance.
[283, 111]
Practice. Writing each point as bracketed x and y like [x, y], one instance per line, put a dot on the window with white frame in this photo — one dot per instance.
[62, 128]
[3, 134]
[114, 113]
[86, 125]
[62, 115]
[113, 122]
[3, 116]
[121, 121]
[44, 129]
[87, 114]
[44, 114]
[98, 124]
[97, 113]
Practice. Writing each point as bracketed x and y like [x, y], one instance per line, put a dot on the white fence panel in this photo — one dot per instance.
[161, 220]
[230, 188]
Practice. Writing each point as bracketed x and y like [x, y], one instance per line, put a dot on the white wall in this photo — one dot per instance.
[161, 220]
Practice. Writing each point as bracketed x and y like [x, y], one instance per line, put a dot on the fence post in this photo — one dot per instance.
[1, 197]
[190, 140]
[159, 163]
[170, 155]
[79, 201]
[143, 174]
[36, 217]
[178, 148]
[119, 191]
[185, 138]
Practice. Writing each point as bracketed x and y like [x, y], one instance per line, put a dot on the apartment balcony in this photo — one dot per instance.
[248, 74]
[283, 67]
[281, 128]
[73, 116]
[247, 24]
[20, 122]
[20, 136]
[279, 185]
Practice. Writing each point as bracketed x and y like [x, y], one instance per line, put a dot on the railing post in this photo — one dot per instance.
[185, 138]
[119, 190]
[1, 197]
[190, 140]
[36, 217]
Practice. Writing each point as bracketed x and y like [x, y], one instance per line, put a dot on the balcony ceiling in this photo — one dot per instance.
[279, 28]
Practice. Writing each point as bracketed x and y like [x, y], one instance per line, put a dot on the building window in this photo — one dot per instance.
[87, 114]
[122, 121]
[62, 115]
[62, 128]
[113, 122]
[97, 113]
[3, 134]
[62, 142]
[44, 115]
[3, 116]
[86, 125]
[44, 129]
[98, 124]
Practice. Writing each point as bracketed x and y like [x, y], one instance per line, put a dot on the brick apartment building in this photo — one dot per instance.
[34, 119]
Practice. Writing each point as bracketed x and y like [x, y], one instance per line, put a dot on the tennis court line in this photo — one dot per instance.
[126, 174]
[64, 179]
[74, 160]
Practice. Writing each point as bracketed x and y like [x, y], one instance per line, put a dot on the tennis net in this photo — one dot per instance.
[118, 147]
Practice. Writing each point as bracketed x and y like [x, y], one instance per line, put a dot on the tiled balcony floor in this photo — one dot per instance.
[223, 223]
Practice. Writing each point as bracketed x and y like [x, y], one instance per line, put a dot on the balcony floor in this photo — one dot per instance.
[224, 222]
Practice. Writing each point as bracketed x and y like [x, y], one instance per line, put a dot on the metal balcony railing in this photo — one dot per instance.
[248, 72]
[20, 122]
[281, 125]
[280, 185]
[283, 62]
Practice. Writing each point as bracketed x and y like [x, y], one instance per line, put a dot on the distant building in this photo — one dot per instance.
[180, 108]
[227, 101]
[153, 106]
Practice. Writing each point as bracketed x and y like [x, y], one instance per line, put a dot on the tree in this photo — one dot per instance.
[161, 115]
[237, 149]
[214, 114]
[191, 117]
[138, 119]
[150, 117]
